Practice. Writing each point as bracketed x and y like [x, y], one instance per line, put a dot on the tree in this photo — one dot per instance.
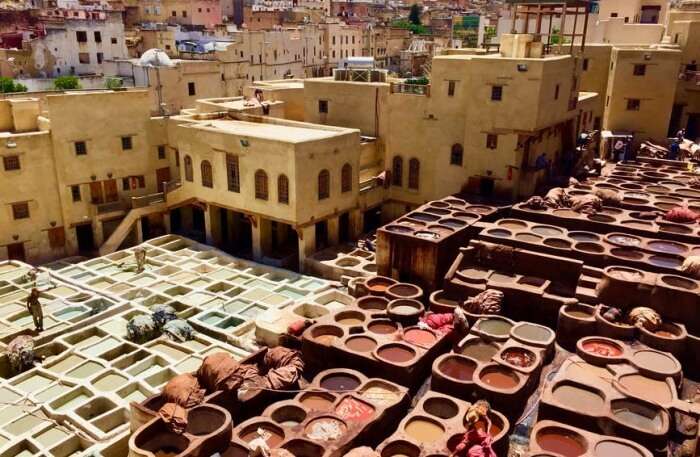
[9, 85]
[414, 15]
[113, 82]
[66, 82]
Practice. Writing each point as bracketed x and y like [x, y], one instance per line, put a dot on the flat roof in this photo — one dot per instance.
[267, 131]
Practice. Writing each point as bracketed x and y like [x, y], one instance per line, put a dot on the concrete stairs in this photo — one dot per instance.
[122, 231]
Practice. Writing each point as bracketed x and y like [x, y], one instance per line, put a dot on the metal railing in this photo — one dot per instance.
[412, 89]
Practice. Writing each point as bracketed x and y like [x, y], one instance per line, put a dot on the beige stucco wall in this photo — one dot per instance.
[595, 77]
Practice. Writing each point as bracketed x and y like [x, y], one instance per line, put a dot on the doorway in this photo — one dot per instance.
[96, 196]
[162, 178]
[86, 240]
[486, 186]
[15, 251]
[111, 194]
[175, 221]
[321, 235]
[692, 131]
[372, 219]
[198, 225]
[344, 228]
[650, 14]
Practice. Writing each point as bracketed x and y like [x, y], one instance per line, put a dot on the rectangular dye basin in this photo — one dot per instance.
[33, 382]
[256, 294]
[68, 402]
[292, 292]
[26, 423]
[161, 377]
[109, 381]
[251, 312]
[230, 323]
[147, 367]
[63, 291]
[71, 312]
[189, 364]
[102, 347]
[211, 318]
[133, 392]
[53, 392]
[70, 361]
[199, 283]
[85, 370]
[51, 436]
[197, 298]
[95, 407]
[111, 421]
[169, 350]
[234, 306]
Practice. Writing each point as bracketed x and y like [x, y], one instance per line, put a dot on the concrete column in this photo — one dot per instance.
[98, 232]
[333, 231]
[166, 222]
[356, 223]
[307, 244]
[208, 213]
[257, 240]
[139, 231]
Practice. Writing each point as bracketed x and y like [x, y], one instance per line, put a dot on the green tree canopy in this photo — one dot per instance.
[9, 85]
[414, 15]
[66, 82]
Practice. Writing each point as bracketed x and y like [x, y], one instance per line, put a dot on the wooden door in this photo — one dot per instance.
[111, 194]
[96, 192]
[162, 177]
[15, 251]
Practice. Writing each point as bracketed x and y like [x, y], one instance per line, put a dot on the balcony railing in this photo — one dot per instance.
[412, 89]
[147, 200]
[110, 207]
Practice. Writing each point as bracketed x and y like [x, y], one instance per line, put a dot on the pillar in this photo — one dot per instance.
[166, 221]
[257, 240]
[139, 231]
[356, 223]
[307, 243]
[98, 232]
[333, 231]
[208, 213]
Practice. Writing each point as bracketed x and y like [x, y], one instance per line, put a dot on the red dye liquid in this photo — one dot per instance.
[566, 445]
[602, 348]
[458, 368]
[419, 337]
[381, 328]
[396, 354]
[354, 410]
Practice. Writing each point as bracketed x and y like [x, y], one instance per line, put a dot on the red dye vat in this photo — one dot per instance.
[602, 348]
[419, 337]
[354, 410]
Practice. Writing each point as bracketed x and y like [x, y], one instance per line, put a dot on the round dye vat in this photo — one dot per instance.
[379, 284]
[380, 393]
[496, 426]
[674, 228]
[360, 343]
[547, 230]
[579, 311]
[500, 233]
[647, 388]
[557, 243]
[579, 399]
[565, 213]
[404, 290]
[584, 236]
[325, 429]
[288, 415]
[602, 348]
[424, 430]
[382, 327]
[398, 229]
[637, 415]
[528, 237]
[589, 247]
[625, 274]
[326, 334]
[496, 327]
[454, 223]
[624, 240]
[601, 218]
[443, 408]
[350, 318]
[419, 337]
[480, 351]
[426, 235]
[512, 224]
[680, 282]
[424, 217]
[396, 353]
[458, 368]
[338, 382]
[627, 253]
[667, 247]
[372, 303]
[655, 361]
[406, 309]
[566, 443]
[319, 402]
[666, 261]
[533, 332]
[270, 434]
[518, 357]
[351, 409]
[499, 378]
[615, 449]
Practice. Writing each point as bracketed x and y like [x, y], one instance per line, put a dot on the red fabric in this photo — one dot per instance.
[681, 214]
[296, 328]
[442, 323]
[476, 443]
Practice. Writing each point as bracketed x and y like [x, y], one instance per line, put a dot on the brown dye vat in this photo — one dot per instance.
[465, 216]
[547, 230]
[372, 303]
[441, 230]
[566, 213]
[494, 430]
[512, 224]
[399, 229]
[403, 290]
[273, 436]
[426, 235]
[350, 318]
[626, 253]
[557, 243]
[458, 368]
[666, 261]
[444, 408]
[519, 357]
[396, 353]
[326, 334]
[638, 415]
[579, 313]
[454, 223]
[203, 421]
[382, 327]
[624, 240]
[579, 399]
[654, 361]
[480, 350]
[288, 415]
[584, 236]
[499, 378]
[412, 223]
[602, 348]
[643, 387]
[340, 382]
[500, 233]
[318, 401]
[401, 449]
[425, 217]
[667, 247]
[625, 274]
[674, 228]
[560, 441]
[405, 308]
[615, 449]
[496, 327]
[439, 211]
[424, 430]
[361, 343]
[443, 204]
[379, 284]
[528, 237]
[379, 392]
[589, 247]
[419, 337]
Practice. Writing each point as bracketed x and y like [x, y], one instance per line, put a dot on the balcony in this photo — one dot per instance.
[411, 89]
[100, 209]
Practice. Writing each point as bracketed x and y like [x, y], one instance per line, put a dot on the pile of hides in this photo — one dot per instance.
[489, 301]
[681, 214]
[163, 320]
[440, 322]
[20, 352]
[557, 198]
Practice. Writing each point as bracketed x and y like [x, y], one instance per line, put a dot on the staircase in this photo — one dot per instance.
[134, 215]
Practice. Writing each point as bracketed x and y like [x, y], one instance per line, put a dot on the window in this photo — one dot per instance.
[207, 178]
[491, 141]
[283, 189]
[114, 41]
[334, 40]
[84, 57]
[75, 193]
[100, 57]
[11, 163]
[184, 13]
[188, 169]
[98, 37]
[161, 152]
[613, 14]
[133, 182]
[323, 106]
[640, 70]
[173, 14]
[346, 178]
[177, 158]
[81, 36]
[457, 154]
[126, 143]
[233, 176]
[633, 104]
[556, 92]
[497, 93]
[57, 237]
[324, 184]
[261, 185]
[191, 89]
[413, 173]
[585, 64]
[450, 88]
[20, 210]
[397, 171]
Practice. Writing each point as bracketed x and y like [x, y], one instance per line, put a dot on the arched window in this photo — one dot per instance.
[413, 173]
[207, 179]
[188, 169]
[261, 185]
[457, 154]
[346, 178]
[283, 189]
[324, 184]
[397, 171]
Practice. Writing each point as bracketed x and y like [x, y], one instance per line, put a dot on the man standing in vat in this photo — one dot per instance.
[34, 308]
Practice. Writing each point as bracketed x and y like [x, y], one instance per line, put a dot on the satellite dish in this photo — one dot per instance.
[155, 58]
